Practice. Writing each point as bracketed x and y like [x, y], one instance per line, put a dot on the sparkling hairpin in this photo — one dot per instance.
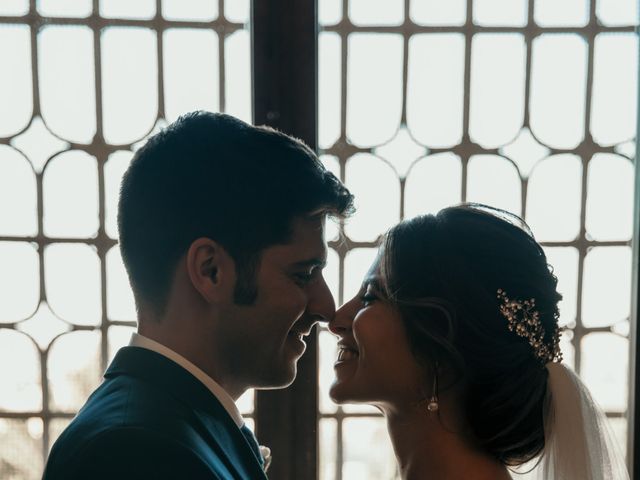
[524, 320]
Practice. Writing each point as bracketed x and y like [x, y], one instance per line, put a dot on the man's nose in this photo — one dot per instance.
[321, 305]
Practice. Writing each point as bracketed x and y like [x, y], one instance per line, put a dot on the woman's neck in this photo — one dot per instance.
[425, 449]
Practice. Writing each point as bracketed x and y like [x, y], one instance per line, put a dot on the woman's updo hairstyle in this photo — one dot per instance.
[442, 273]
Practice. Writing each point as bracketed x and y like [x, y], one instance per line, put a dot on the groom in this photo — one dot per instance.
[222, 234]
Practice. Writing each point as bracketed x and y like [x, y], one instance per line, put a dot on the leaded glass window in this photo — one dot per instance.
[80, 90]
[526, 106]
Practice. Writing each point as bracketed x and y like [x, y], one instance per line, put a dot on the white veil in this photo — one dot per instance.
[579, 444]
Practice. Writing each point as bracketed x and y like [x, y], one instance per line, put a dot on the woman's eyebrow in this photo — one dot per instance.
[372, 280]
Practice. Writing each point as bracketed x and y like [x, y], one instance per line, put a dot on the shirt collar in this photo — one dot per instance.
[225, 399]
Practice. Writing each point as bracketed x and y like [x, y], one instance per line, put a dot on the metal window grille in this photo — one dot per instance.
[527, 106]
[83, 84]
[41, 235]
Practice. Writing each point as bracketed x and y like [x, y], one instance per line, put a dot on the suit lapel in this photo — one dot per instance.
[236, 451]
[218, 428]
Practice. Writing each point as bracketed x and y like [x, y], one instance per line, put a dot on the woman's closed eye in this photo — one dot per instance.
[368, 297]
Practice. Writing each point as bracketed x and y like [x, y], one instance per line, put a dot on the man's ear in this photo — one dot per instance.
[211, 270]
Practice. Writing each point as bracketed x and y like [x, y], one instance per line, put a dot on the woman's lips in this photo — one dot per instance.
[346, 355]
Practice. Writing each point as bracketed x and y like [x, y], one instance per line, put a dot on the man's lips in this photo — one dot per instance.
[300, 333]
[302, 330]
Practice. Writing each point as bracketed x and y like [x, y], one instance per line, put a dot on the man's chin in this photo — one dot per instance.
[279, 377]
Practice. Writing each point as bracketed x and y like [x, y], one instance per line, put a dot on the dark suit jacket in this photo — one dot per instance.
[152, 419]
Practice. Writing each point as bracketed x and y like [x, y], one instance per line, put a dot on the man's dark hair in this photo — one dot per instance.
[212, 175]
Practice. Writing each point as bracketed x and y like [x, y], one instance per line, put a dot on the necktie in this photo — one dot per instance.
[253, 443]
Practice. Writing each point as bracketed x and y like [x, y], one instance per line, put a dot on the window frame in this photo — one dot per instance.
[285, 97]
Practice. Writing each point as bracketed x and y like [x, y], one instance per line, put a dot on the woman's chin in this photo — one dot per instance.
[343, 392]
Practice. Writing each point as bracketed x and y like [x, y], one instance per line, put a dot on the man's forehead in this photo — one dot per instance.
[306, 245]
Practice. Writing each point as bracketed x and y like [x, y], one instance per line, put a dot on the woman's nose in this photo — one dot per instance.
[340, 324]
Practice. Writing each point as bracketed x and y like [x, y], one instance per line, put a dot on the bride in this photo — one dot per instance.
[454, 336]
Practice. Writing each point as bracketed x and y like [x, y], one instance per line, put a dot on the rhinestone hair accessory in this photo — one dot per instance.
[524, 321]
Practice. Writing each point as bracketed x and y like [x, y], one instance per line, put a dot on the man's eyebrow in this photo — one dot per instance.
[312, 262]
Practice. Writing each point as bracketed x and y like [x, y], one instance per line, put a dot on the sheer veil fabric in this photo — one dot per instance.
[579, 442]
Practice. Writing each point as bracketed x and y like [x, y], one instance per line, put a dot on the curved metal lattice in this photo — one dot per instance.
[528, 106]
[83, 85]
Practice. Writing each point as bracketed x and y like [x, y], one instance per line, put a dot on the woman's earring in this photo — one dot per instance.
[433, 406]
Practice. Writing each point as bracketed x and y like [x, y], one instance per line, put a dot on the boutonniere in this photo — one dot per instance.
[266, 456]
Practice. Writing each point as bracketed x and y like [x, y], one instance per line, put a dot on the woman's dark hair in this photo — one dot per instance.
[212, 175]
[442, 272]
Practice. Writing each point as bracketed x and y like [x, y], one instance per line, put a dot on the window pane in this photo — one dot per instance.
[617, 12]
[19, 281]
[438, 12]
[73, 368]
[204, 10]
[65, 8]
[18, 194]
[610, 197]
[190, 81]
[494, 181]
[67, 82]
[328, 436]
[238, 75]
[14, 7]
[15, 81]
[326, 376]
[615, 88]
[566, 13]
[118, 337]
[374, 66]
[558, 89]
[329, 12]
[20, 373]
[356, 265]
[497, 88]
[126, 9]
[553, 203]
[329, 85]
[237, 10]
[120, 302]
[376, 12]
[367, 450]
[435, 88]
[113, 171]
[604, 369]
[564, 262]
[20, 456]
[375, 213]
[433, 183]
[72, 282]
[129, 77]
[607, 274]
[500, 12]
[70, 192]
